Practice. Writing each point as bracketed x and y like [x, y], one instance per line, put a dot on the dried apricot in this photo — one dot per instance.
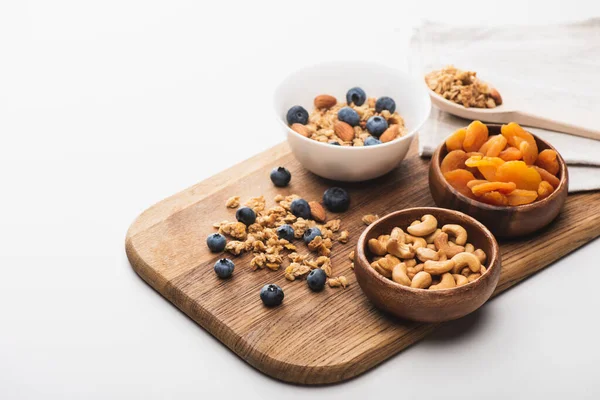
[476, 136]
[454, 160]
[476, 182]
[494, 146]
[519, 197]
[548, 160]
[515, 135]
[547, 176]
[455, 141]
[494, 198]
[486, 165]
[529, 154]
[524, 176]
[502, 187]
[458, 179]
[544, 190]
[510, 154]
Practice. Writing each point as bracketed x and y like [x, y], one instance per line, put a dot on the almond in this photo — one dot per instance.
[390, 134]
[494, 94]
[317, 211]
[344, 131]
[301, 129]
[325, 101]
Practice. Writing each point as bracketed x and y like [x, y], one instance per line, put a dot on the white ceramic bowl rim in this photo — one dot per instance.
[410, 134]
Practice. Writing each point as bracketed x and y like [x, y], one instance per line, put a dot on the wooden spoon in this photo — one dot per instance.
[506, 113]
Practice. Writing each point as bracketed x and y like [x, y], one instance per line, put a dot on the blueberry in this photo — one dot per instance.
[300, 208]
[336, 199]
[335, 143]
[316, 280]
[245, 215]
[357, 96]
[385, 103]
[216, 242]
[376, 125]
[297, 115]
[280, 176]
[310, 234]
[286, 232]
[224, 268]
[371, 141]
[348, 116]
[271, 295]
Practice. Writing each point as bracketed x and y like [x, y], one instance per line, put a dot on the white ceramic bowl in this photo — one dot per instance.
[346, 163]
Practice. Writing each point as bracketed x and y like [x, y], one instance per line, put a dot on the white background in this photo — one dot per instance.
[109, 106]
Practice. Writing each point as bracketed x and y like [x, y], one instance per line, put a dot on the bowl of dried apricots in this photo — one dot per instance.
[502, 175]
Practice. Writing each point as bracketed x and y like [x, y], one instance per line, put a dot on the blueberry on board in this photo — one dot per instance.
[300, 208]
[245, 215]
[357, 96]
[310, 234]
[316, 280]
[349, 116]
[376, 125]
[224, 268]
[385, 103]
[336, 199]
[335, 143]
[371, 141]
[280, 176]
[271, 295]
[216, 242]
[286, 232]
[297, 115]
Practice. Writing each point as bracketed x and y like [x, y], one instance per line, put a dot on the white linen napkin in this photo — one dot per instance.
[557, 68]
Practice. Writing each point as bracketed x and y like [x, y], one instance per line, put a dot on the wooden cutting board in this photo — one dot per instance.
[313, 338]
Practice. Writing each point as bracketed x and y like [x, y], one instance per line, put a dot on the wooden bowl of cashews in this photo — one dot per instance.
[448, 245]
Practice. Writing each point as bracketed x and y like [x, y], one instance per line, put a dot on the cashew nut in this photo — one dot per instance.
[431, 246]
[447, 282]
[482, 270]
[412, 271]
[410, 263]
[442, 256]
[460, 279]
[438, 267]
[466, 271]
[472, 277]
[424, 228]
[469, 248]
[424, 254]
[389, 262]
[399, 275]
[481, 255]
[382, 271]
[422, 280]
[465, 259]
[378, 246]
[398, 234]
[430, 238]
[416, 242]
[399, 249]
[441, 242]
[458, 231]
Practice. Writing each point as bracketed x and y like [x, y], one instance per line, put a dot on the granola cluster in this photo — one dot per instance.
[268, 249]
[463, 87]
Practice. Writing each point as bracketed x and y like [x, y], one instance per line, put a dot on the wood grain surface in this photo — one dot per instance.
[313, 338]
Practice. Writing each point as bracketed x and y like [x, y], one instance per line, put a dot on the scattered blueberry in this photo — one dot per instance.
[297, 115]
[216, 242]
[271, 295]
[280, 176]
[245, 215]
[316, 280]
[348, 116]
[376, 125]
[286, 232]
[300, 208]
[357, 96]
[385, 103]
[335, 143]
[224, 268]
[372, 141]
[336, 199]
[310, 234]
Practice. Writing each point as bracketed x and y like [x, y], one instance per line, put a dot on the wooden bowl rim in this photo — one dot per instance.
[493, 259]
[436, 163]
